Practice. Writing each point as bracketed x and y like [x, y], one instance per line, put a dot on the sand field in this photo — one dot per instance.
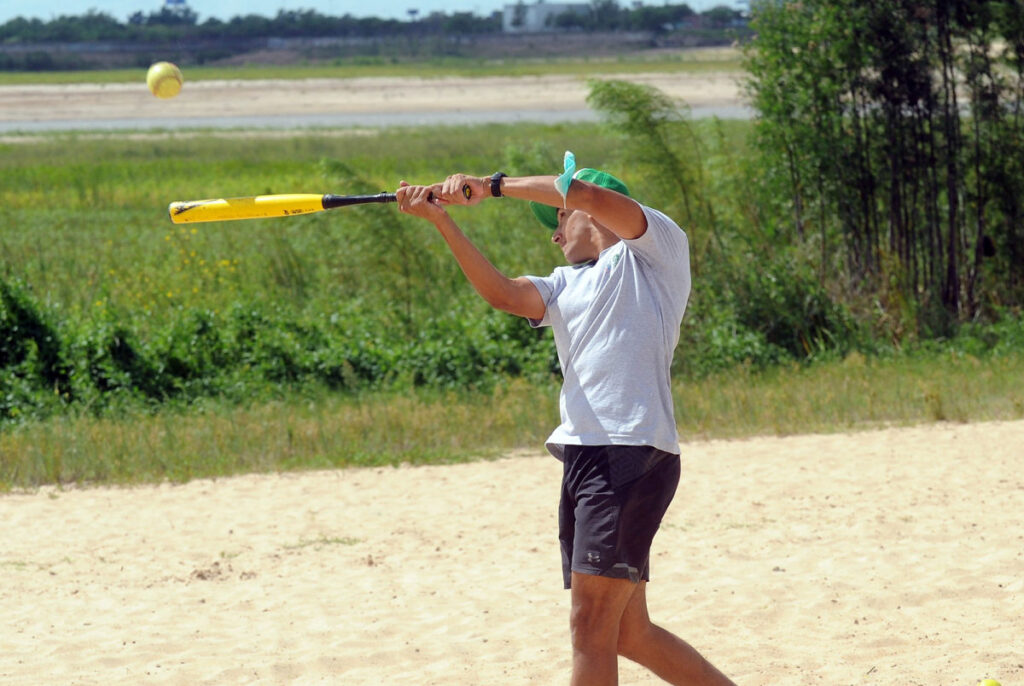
[891, 556]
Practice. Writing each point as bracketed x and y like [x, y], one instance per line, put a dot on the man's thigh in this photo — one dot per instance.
[613, 500]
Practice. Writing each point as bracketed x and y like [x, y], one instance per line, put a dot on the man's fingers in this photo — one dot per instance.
[421, 201]
[456, 184]
[416, 194]
[460, 189]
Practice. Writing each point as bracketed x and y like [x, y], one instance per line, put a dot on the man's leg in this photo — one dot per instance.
[598, 603]
[660, 651]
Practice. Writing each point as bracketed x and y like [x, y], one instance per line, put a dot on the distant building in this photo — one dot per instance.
[538, 17]
[179, 7]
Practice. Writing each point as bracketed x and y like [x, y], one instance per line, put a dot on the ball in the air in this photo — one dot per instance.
[164, 79]
[989, 682]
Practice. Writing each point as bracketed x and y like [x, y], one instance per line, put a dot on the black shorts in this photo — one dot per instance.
[613, 500]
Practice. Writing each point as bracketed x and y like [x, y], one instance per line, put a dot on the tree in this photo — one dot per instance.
[721, 16]
[896, 126]
[184, 16]
[605, 15]
[659, 18]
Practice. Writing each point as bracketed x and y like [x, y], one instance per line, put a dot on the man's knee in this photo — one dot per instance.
[592, 628]
[634, 637]
[594, 621]
[598, 604]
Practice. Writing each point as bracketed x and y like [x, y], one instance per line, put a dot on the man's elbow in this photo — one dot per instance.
[501, 301]
[515, 304]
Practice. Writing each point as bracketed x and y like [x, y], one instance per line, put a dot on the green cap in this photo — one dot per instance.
[548, 215]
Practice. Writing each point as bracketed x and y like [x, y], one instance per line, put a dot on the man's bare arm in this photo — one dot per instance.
[619, 213]
[516, 296]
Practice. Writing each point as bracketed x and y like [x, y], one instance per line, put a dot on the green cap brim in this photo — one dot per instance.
[545, 214]
[548, 215]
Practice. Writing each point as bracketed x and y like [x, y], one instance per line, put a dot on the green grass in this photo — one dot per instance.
[696, 61]
[313, 432]
[83, 218]
[325, 431]
[85, 221]
[853, 394]
[84, 231]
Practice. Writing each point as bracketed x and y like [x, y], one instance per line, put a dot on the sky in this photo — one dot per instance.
[226, 9]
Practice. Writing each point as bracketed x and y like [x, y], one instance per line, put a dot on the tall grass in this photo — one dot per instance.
[83, 219]
[85, 222]
[297, 432]
[322, 430]
[852, 394]
[139, 350]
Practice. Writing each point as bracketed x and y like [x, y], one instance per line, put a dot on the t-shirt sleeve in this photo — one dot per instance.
[665, 248]
[664, 245]
[548, 287]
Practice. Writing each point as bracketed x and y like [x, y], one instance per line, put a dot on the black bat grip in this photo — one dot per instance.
[332, 201]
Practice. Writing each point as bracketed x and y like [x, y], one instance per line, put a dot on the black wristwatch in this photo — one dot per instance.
[496, 178]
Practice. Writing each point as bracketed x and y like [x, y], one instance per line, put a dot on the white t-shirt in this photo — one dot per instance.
[616, 324]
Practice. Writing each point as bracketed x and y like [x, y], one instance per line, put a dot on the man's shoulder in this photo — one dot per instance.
[664, 239]
[660, 222]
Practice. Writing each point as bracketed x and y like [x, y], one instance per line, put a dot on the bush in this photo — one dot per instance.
[251, 349]
[793, 312]
[32, 362]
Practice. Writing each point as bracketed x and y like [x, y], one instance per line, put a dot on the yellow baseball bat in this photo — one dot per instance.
[263, 206]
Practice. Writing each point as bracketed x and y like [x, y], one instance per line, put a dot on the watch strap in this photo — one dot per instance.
[496, 178]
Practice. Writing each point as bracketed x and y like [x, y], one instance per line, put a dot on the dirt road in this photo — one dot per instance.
[340, 102]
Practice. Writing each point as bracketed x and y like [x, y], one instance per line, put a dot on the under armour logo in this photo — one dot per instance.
[593, 558]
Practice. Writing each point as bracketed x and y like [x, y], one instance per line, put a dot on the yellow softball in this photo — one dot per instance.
[164, 79]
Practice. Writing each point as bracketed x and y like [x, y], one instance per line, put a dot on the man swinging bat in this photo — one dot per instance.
[615, 312]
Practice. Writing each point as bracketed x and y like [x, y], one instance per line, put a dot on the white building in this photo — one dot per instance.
[534, 18]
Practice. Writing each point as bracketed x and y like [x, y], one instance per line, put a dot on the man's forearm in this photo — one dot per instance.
[618, 213]
[497, 289]
[536, 188]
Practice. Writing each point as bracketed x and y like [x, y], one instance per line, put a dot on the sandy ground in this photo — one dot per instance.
[341, 101]
[886, 557]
